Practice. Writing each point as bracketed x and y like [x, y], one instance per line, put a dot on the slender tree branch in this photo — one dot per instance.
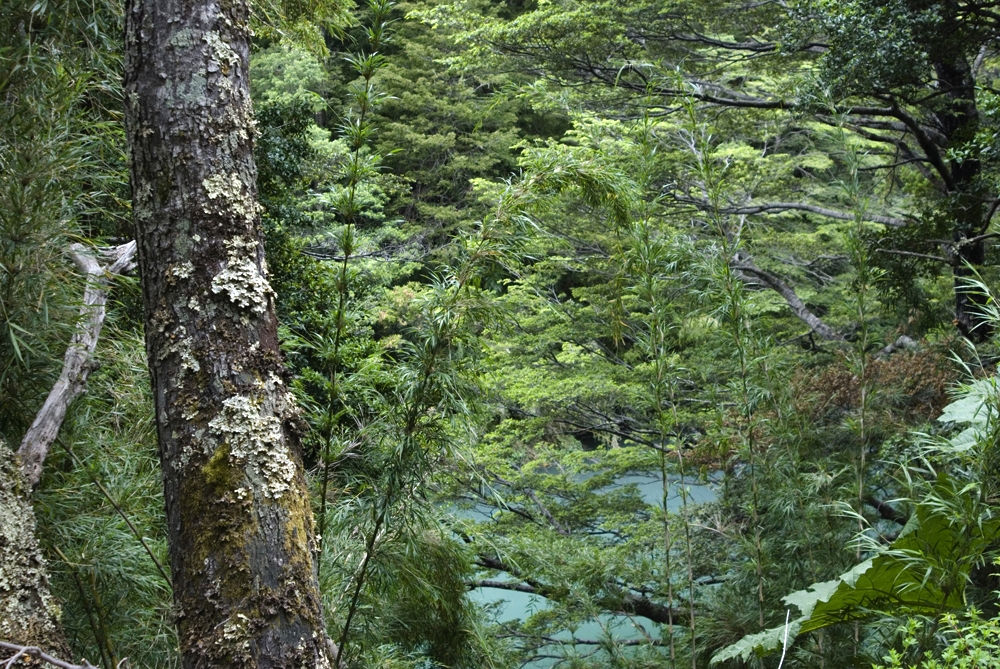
[76, 363]
[886, 511]
[928, 146]
[37, 655]
[778, 207]
[914, 254]
[548, 515]
[798, 307]
[503, 585]
[121, 512]
[613, 602]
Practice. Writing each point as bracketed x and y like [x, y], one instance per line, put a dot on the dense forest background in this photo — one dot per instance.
[670, 320]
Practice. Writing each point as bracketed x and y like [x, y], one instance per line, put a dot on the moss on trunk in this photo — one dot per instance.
[239, 520]
[29, 614]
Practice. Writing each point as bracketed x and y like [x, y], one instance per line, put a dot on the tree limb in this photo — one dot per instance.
[778, 207]
[886, 511]
[37, 655]
[545, 512]
[914, 254]
[613, 602]
[798, 307]
[76, 363]
[503, 585]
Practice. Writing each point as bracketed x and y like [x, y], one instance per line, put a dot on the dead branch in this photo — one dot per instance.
[36, 654]
[779, 207]
[76, 363]
[744, 264]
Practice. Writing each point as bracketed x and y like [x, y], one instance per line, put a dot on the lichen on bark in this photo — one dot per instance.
[29, 614]
[250, 426]
[239, 521]
[242, 279]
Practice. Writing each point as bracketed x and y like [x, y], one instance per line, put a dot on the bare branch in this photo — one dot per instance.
[37, 654]
[778, 207]
[503, 585]
[887, 511]
[914, 254]
[545, 512]
[928, 146]
[76, 363]
[611, 601]
[798, 307]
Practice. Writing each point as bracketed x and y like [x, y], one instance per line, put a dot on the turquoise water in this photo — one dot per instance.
[514, 605]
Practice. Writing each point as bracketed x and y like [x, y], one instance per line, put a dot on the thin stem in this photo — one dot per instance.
[730, 242]
[685, 516]
[358, 584]
[664, 500]
[859, 257]
[367, 73]
[118, 508]
[334, 395]
[105, 640]
[84, 600]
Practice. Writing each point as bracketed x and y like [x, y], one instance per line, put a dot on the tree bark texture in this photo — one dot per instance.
[29, 615]
[240, 526]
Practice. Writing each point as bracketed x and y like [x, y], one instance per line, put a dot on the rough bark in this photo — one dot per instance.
[239, 521]
[76, 363]
[29, 615]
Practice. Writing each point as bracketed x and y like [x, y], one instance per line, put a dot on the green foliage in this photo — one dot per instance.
[529, 274]
[284, 75]
[924, 571]
[100, 513]
[40, 144]
[876, 48]
[969, 642]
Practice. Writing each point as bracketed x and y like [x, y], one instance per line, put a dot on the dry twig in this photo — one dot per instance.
[37, 654]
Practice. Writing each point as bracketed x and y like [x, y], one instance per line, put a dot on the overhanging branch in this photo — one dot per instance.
[779, 207]
[795, 303]
[612, 601]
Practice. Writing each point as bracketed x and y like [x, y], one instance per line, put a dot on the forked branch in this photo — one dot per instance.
[76, 363]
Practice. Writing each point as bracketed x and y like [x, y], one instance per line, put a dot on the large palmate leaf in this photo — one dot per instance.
[923, 571]
[974, 408]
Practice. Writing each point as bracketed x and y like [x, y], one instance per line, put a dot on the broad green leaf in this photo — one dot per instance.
[759, 644]
[972, 407]
[923, 571]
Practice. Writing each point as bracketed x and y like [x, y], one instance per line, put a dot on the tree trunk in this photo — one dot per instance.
[959, 120]
[239, 520]
[29, 615]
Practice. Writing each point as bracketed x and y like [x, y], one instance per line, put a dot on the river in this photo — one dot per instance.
[514, 605]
